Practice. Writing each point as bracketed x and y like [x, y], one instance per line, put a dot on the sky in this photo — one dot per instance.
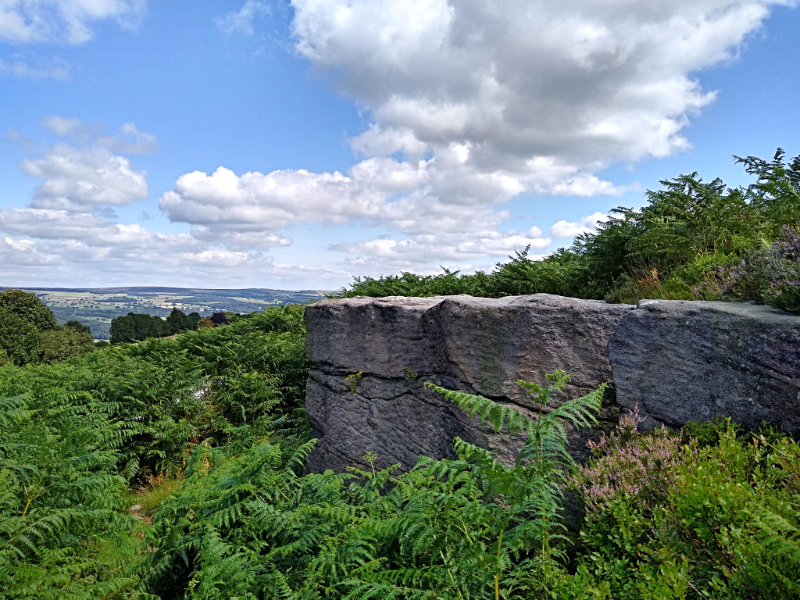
[298, 144]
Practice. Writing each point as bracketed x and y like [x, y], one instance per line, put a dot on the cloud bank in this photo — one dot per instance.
[472, 104]
[469, 104]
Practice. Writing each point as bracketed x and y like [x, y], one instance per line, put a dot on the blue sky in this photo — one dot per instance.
[297, 144]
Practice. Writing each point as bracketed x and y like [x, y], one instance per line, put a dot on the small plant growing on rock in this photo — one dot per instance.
[410, 373]
[352, 381]
[370, 457]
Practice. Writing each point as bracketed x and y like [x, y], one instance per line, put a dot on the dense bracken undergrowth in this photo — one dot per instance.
[692, 240]
[710, 512]
[73, 434]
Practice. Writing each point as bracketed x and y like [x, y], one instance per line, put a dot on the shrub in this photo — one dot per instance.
[248, 526]
[60, 497]
[717, 521]
[63, 343]
[684, 243]
[73, 432]
[770, 275]
[630, 464]
[19, 338]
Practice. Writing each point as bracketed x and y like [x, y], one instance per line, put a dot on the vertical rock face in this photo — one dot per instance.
[679, 361]
[370, 357]
[691, 361]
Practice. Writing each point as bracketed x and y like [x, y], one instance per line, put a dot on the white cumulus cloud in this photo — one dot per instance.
[83, 179]
[91, 177]
[63, 21]
[581, 83]
[567, 229]
[473, 103]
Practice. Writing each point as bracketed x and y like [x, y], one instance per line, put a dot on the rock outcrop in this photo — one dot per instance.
[691, 361]
[369, 358]
[679, 361]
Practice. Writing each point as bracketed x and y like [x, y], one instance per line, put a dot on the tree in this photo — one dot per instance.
[219, 318]
[191, 321]
[135, 327]
[177, 321]
[18, 338]
[63, 343]
[78, 327]
[28, 307]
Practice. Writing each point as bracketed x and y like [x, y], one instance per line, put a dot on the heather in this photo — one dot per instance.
[669, 515]
[692, 240]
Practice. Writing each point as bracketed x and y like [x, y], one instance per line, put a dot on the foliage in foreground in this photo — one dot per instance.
[174, 393]
[249, 526]
[711, 512]
[692, 240]
[703, 519]
[72, 433]
[60, 497]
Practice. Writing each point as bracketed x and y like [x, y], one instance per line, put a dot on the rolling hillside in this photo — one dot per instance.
[97, 306]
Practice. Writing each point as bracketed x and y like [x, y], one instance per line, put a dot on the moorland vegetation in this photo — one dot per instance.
[174, 467]
[693, 240]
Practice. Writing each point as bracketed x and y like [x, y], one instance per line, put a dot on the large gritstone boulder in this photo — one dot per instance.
[691, 361]
[370, 357]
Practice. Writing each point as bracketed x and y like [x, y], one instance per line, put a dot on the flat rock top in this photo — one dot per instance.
[748, 310]
[549, 300]
[362, 300]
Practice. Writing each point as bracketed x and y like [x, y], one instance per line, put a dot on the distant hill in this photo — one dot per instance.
[97, 306]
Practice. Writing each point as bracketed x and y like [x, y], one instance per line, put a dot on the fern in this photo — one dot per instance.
[247, 524]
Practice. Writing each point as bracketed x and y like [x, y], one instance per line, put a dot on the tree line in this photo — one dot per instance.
[135, 327]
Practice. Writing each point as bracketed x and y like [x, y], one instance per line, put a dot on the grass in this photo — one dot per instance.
[145, 500]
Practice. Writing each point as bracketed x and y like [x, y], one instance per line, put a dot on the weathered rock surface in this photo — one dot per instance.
[478, 345]
[691, 361]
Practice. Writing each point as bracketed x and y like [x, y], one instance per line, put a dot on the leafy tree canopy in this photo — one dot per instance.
[19, 338]
[135, 327]
[27, 306]
[78, 327]
[63, 343]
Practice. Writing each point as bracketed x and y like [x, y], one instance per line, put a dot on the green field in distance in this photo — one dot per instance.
[97, 306]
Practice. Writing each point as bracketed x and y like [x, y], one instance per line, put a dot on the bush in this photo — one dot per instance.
[73, 432]
[768, 275]
[630, 464]
[60, 497]
[684, 243]
[244, 524]
[63, 343]
[718, 519]
[19, 338]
